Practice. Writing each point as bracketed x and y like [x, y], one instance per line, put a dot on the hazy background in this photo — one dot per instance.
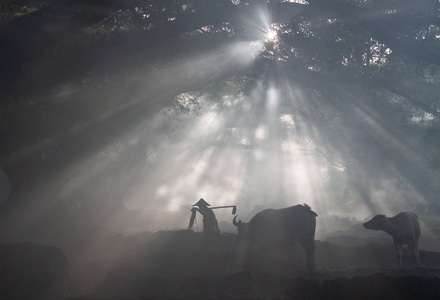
[122, 114]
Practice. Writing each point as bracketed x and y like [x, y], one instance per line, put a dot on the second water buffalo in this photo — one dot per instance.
[404, 228]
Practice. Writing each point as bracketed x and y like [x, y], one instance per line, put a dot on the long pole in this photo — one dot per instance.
[227, 206]
[234, 208]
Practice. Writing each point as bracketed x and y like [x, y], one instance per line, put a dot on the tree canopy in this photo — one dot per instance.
[256, 102]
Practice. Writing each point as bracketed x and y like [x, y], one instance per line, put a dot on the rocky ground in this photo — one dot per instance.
[184, 265]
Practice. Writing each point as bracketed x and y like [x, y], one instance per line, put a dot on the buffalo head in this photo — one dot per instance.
[241, 227]
[376, 223]
[237, 224]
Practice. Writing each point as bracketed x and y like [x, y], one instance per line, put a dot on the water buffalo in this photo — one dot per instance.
[282, 227]
[404, 228]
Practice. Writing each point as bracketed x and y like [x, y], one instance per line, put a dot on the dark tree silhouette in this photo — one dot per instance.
[78, 77]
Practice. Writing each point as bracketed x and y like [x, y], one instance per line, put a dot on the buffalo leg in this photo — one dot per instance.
[399, 250]
[309, 248]
[414, 249]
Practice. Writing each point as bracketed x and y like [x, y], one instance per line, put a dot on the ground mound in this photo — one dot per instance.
[247, 285]
[186, 265]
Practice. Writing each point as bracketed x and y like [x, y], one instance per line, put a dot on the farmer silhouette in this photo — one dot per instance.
[210, 225]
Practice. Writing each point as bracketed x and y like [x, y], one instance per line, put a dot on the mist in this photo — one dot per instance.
[207, 126]
[117, 118]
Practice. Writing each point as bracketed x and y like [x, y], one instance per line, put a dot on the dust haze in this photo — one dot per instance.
[118, 117]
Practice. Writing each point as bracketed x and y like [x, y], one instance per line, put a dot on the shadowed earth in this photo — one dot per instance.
[185, 265]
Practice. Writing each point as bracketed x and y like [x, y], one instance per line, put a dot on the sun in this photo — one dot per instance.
[271, 35]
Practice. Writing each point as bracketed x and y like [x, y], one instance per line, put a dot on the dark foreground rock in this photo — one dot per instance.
[381, 286]
[31, 271]
[245, 285]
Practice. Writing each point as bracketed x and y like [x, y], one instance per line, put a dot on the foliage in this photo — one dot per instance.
[78, 75]
[12, 9]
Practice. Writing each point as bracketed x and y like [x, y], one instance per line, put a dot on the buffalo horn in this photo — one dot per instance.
[234, 221]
